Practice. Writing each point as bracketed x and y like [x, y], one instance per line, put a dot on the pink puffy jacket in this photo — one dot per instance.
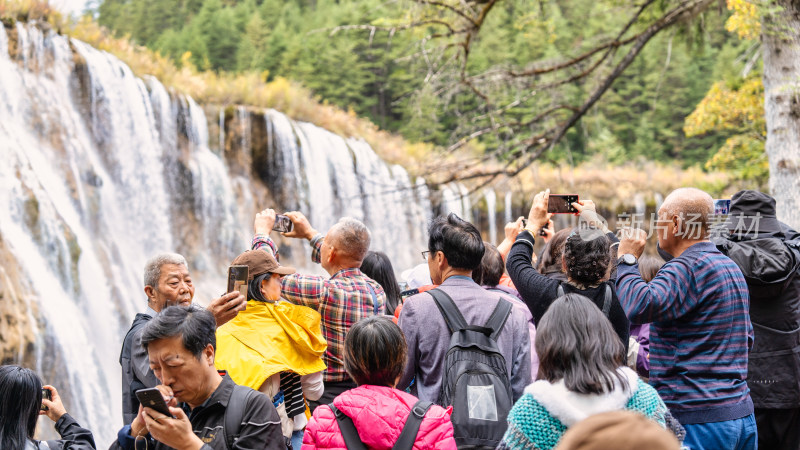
[379, 414]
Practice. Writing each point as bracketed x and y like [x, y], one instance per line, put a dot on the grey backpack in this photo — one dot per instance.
[476, 382]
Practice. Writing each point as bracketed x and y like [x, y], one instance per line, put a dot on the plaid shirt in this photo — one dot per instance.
[342, 300]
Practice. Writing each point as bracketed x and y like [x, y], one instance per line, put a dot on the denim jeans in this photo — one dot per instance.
[297, 439]
[738, 434]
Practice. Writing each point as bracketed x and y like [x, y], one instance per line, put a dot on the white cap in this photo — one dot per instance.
[417, 276]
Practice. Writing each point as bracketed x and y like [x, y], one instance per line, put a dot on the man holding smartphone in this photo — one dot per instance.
[167, 282]
[342, 299]
[202, 409]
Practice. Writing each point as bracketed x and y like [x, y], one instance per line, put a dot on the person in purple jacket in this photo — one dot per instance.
[700, 331]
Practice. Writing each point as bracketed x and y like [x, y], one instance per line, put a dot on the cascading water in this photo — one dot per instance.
[508, 212]
[103, 170]
[491, 210]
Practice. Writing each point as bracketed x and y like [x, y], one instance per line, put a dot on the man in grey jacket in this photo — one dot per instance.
[167, 282]
[455, 249]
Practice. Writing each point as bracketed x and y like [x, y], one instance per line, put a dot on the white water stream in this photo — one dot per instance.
[102, 169]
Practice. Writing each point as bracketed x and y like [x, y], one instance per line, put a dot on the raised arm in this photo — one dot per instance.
[665, 297]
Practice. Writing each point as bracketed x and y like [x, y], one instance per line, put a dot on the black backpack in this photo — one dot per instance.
[404, 442]
[606, 299]
[234, 413]
[475, 382]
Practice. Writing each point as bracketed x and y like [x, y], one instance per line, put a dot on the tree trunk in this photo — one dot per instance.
[781, 49]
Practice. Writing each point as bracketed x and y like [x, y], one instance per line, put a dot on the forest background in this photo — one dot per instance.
[693, 96]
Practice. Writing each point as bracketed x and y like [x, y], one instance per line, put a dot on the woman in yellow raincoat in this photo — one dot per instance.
[274, 346]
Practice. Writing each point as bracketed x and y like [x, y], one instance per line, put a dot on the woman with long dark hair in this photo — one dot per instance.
[21, 404]
[581, 372]
[377, 266]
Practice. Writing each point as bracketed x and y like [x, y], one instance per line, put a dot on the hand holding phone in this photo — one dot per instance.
[562, 204]
[283, 224]
[237, 279]
[152, 398]
[46, 395]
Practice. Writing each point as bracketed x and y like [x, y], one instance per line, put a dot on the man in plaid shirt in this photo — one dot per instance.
[343, 299]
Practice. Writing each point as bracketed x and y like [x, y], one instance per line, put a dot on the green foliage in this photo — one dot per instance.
[381, 75]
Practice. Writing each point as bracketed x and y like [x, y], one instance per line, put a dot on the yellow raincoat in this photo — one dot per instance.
[268, 338]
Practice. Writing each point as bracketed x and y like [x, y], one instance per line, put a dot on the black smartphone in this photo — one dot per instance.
[45, 395]
[561, 204]
[152, 398]
[722, 206]
[237, 279]
[283, 223]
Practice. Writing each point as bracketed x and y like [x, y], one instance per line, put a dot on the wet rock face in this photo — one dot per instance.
[17, 319]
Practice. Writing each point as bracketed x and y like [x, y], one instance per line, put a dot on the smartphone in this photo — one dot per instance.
[283, 223]
[237, 279]
[152, 398]
[562, 204]
[722, 206]
[45, 395]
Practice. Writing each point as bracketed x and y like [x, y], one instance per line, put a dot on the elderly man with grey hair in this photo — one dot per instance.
[167, 282]
[698, 305]
[342, 299]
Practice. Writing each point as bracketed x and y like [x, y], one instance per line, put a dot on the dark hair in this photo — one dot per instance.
[377, 266]
[587, 253]
[553, 251]
[20, 399]
[576, 342]
[649, 267]
[195, 325]
[254, 287]
[458, 239]
[375, 351]
[491, 268]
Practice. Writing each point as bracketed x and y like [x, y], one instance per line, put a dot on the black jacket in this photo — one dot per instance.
[539, 291]
[136, 373]
[771, 264]
[73, 437]
[260, 429]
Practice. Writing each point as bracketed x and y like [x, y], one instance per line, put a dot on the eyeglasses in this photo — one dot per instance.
[425, 254]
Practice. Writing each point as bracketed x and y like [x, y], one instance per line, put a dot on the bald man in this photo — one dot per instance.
[701, 333]
[342, 299]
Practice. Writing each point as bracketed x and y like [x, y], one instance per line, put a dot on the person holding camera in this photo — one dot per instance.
[342, 299]
[22, 402]
[586, 260]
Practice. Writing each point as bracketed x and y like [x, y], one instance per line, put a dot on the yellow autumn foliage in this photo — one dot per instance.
[724, 108]
[745, 20]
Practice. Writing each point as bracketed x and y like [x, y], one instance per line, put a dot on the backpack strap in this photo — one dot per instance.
[607, 300]
[455, 321]
[498, 318]
[560, 290]
[409, 434]
[234, 413]
[349, 433]
[374, 299]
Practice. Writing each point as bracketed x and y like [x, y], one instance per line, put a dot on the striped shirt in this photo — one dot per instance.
[700, 335]
[341, 300]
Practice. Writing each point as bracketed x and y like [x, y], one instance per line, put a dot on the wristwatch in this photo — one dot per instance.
[627, 258]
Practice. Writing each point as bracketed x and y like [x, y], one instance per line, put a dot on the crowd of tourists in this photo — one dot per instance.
[589, 344]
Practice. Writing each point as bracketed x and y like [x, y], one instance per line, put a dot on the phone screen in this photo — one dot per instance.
[45, 395]
[722, 206]
[283, 224]
[561, 204]
[237, 279]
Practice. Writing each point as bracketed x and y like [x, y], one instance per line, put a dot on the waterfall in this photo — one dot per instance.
[491, 211]
[103, 169]
[508, 208]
